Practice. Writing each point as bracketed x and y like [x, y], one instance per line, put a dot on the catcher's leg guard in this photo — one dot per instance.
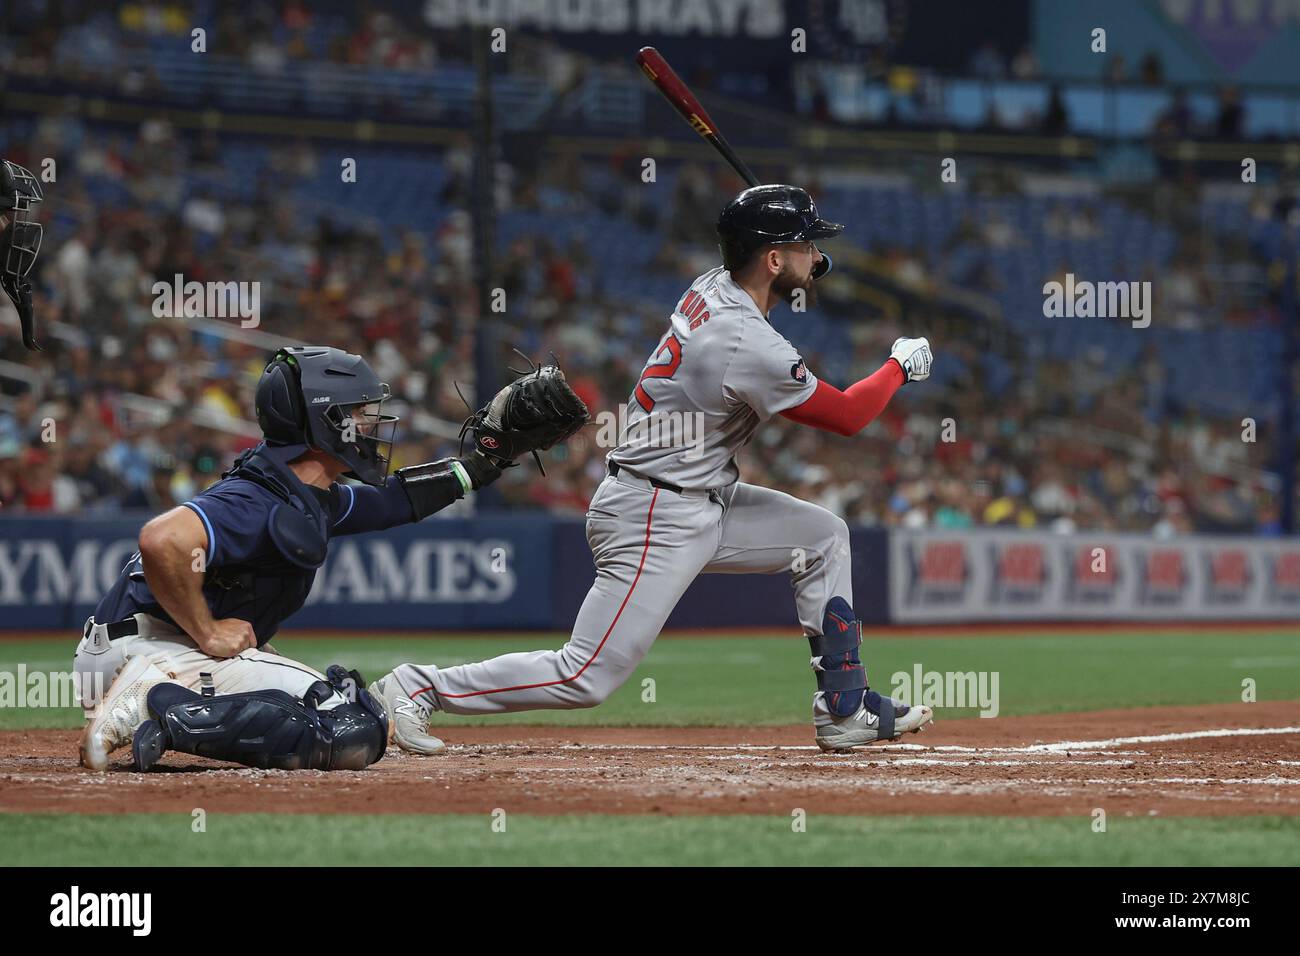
[268, 729]
[840, 674]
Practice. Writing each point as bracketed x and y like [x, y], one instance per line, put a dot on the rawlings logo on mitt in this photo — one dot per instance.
[536, 411]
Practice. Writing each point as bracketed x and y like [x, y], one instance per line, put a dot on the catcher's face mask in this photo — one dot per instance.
[20, 241]
[366, 437]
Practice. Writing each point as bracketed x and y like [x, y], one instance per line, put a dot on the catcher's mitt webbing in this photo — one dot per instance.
[536, 411]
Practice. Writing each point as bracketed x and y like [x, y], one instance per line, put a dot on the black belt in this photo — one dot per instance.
[119, 629]
[614, 469]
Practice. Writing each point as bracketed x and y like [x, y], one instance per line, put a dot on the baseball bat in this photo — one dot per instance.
[683, 100]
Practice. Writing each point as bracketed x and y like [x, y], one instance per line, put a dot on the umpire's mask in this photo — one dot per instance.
[20, 241]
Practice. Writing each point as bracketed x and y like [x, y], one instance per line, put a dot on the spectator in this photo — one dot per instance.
[1025, 65]
[1056, 119]
[1152, 70]
[987, 62]
[1231, 115]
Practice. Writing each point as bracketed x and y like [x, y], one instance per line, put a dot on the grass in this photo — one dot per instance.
[746, 680]
[461, 840]
[722, 680]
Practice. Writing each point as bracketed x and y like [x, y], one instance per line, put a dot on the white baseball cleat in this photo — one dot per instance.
[113, 722]
[408, 720]
[863, 726]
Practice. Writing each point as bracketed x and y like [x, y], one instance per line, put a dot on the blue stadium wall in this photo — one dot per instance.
[531, 572]
[493, 573]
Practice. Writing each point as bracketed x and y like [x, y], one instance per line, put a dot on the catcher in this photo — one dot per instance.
[182, 635]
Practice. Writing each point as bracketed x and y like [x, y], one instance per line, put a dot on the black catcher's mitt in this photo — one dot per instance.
[535, 411]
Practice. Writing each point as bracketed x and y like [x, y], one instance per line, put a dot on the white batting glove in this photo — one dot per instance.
[913, 357]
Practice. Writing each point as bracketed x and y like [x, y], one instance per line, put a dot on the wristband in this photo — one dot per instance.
[462, 476]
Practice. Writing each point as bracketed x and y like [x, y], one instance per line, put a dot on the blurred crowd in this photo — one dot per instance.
[95, 39]
[145, 49]
[128, 410]
[114, 45]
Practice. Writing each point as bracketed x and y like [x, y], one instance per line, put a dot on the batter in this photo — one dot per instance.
[669, 511]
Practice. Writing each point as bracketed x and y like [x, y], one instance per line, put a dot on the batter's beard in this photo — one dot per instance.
[787, 281]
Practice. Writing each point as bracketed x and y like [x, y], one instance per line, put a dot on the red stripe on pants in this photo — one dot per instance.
[564, 680]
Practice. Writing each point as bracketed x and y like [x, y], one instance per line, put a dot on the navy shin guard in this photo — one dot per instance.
[269, 729]
[835, 661]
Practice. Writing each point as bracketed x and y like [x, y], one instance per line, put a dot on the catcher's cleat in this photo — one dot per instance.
[148, 745]
[864, 726]
[408, 720]
[113, 722]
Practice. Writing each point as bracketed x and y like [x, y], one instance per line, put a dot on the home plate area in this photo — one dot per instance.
[1210, 760]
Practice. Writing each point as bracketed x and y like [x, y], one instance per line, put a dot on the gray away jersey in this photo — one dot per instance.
[719, 372]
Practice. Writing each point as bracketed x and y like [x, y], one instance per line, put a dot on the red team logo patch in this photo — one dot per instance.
[799, 371]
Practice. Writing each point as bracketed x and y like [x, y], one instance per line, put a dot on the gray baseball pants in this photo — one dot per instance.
[649, 544]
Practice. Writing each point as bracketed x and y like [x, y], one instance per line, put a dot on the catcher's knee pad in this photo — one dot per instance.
[358, 728]
[840, 674]
[271, 729]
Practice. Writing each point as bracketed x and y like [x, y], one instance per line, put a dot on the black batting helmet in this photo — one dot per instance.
[20, 241]
[766, 214]
[327, 399]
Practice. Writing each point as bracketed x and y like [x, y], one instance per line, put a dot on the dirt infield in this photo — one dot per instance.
[1221, 760]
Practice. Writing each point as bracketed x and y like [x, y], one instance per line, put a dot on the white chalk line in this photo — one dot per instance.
[645, 782]
[761, 761]
[1164, 738]
[1074, 746]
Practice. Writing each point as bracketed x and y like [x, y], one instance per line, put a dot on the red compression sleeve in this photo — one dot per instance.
[852, 410]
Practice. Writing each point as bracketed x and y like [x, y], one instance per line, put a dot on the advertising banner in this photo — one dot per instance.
[1016, 575]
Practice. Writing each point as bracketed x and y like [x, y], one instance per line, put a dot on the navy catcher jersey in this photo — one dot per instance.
[246, 576]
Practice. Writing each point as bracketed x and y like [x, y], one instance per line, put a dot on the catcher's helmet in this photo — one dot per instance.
[765, 214]
[20, 241]
[327, 399]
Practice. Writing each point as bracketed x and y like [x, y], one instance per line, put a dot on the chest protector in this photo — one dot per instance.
[269, 588]
[299, 524]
